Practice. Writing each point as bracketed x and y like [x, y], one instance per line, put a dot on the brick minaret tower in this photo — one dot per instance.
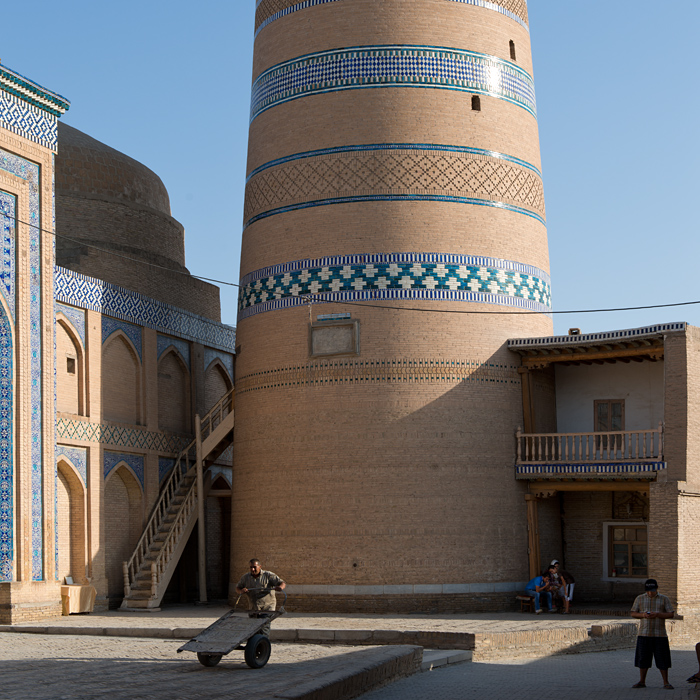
[393, 163]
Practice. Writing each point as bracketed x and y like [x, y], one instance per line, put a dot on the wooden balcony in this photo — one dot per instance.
[620, 454]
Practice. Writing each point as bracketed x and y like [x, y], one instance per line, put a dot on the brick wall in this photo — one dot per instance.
[121, 383]
[173, 395]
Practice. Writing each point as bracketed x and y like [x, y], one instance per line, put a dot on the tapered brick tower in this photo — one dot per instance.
[394, 212]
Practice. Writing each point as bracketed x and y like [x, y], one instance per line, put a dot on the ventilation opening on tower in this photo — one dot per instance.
[476, 103]
[512, 50]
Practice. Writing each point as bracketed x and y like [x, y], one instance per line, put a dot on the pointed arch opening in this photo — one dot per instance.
[174, 393]
[216, 383]
[71, 524]
[70, 369]
[121, 381]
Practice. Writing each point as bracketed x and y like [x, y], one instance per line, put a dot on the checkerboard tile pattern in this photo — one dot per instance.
[426, 276]
[268, 11]
[393, 66]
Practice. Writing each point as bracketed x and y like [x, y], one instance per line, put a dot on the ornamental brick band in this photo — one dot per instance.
[396, 171]
[397, 371]
[393, 66]
[268, 11]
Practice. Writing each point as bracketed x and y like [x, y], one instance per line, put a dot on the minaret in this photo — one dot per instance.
[394, 220]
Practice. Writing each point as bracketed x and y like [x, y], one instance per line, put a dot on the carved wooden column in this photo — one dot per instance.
[533, 535]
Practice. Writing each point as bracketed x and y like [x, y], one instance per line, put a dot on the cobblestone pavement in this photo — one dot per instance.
[608, 675]
[58, 667]
[202, 616]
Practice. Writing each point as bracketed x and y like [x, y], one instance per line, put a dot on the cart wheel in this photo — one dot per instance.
[208, 659]
[257, 651]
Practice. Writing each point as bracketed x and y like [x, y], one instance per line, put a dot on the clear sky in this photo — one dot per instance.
[168, 83]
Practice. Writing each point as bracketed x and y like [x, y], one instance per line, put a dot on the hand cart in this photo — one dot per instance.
[235, 630]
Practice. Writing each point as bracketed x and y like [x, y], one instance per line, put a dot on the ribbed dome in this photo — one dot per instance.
[87, 166]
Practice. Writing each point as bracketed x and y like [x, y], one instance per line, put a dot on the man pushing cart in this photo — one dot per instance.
[258, 585]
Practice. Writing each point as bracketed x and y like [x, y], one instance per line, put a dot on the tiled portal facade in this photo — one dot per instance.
[76, 352]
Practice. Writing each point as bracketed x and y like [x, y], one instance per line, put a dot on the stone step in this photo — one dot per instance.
[434, 658]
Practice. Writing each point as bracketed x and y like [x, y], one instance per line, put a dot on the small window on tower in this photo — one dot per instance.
[476, 103]
[512, 51]
[70, 365]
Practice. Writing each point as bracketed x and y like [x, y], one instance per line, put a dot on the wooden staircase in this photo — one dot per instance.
[148, 572]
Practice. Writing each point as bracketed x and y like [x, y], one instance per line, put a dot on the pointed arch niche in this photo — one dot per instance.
[70, 369]
[123, 524]
[71, 523]
[216, 383]
[174, 393]
[121, 380]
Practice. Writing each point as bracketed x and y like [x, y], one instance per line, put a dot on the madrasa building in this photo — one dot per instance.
[422, 440]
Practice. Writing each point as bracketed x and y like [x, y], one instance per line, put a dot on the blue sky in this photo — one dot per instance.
[168, 83]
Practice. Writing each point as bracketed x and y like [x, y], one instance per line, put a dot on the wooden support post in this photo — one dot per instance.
[528, 403]
[533, 535]
[201, 548]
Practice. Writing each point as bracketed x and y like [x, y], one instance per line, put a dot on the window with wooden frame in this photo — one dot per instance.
[628, 551]
[609, 417]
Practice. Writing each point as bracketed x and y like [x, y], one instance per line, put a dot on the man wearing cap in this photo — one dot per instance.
[258, 586]
[652, 609]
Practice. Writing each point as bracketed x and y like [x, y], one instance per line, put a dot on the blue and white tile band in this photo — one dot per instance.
[6, 450]
[8, 208]
[394, 172]
[266, 11]
[363, 67]
[395, 276]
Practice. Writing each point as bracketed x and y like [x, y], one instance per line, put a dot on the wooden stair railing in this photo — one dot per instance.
[214, 428]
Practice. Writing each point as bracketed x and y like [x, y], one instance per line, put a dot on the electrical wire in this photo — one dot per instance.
[318, 299]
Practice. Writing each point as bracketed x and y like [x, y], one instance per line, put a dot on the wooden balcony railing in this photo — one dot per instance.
[618, 446]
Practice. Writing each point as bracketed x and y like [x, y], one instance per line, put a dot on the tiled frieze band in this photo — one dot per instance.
[6, 449]
[28, 121]
[399, 276]
[117, 436]
[8, 209]
[32, 93]
[397, 371]
[267, 11]
[109, 299]
[29, 171]
[393, 66]
[587, 468]
[135, 462]
[386, 172]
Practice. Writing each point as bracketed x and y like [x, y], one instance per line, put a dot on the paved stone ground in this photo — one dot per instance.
[608, 675]
[57, 667]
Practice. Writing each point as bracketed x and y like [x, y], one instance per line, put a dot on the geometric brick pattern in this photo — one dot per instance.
[111, 300]
[121, 437]
[397, 371]
[268, 11]
[394, 172]
[393, 66]
[28, 121]
[394, 276]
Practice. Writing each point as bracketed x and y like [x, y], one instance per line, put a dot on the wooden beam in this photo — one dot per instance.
[542, 486]
[637, 352]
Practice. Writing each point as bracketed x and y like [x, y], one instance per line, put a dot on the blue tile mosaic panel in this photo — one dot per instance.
[77, 456]
[32, 93]
[398, 276]
[90, 293]
[76, 317]
[28, 121]
[393, 66]
[394, 172]
[226, 360]
[165, 464]
[29, 172]
[132, 332]
[135, 462]
[268, 11]
[6, 450]
[8, 214]
[182, 346]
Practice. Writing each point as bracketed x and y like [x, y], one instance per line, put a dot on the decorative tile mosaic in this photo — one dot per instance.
[630, 333]
[165, 464]
[8, 209]
[117, 436]
[28, 121]
[225, 472]
[29, 172]
[398, 371]
[267, 11]
[226, 360]
[32, 93]
[90, 293]
[597, 468]
[77, 456]
[388, 172]
[135, 462]
[393, 66]
[182, 346]
[396, 276]
[76, 317]
[132, 332]
[6, 450]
